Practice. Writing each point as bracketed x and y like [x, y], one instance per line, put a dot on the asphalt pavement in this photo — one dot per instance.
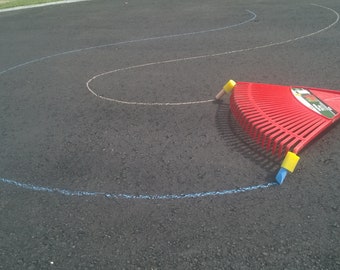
[115, 156]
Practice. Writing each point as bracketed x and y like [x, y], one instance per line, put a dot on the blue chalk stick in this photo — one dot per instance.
[281, 175]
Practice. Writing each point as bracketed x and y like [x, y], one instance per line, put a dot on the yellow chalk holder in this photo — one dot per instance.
[288, 165]
[227, 88]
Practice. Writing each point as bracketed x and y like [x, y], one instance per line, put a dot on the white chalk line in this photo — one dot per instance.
[91, 90]
[42, 5]
[130, 42]
[165, 196]
[131, 196]
[122, 195]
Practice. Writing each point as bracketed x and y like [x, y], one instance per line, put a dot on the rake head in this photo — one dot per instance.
[282, 119]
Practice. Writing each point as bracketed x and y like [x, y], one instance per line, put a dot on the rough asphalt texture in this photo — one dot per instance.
[55, 133]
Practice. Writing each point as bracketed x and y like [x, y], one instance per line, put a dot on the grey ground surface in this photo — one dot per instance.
[55, 133]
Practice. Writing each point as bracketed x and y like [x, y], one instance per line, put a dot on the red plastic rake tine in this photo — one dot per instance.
[282, 119]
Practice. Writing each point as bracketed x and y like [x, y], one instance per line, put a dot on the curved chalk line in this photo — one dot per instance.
[129, 42]
[68, 192]
[130, 196]
[196, 58]
[155, 197]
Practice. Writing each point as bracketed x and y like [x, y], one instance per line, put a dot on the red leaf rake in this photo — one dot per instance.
[282, 119]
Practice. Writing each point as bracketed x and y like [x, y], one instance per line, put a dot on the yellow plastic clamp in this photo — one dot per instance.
[290, 161]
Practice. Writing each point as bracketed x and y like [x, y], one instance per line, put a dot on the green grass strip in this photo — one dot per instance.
[18, 3]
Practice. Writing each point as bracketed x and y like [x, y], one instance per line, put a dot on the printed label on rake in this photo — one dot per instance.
[312, 102]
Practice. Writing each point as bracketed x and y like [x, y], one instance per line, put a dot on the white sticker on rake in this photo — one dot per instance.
[92, 90]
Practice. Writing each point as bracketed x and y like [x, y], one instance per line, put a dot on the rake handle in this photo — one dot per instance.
[227, 88]
[220, 94]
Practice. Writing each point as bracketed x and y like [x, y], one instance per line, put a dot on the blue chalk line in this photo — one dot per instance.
[78, 193]
[67, 192]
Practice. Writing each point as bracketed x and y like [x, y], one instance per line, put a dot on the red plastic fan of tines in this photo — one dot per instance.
[283, 118]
